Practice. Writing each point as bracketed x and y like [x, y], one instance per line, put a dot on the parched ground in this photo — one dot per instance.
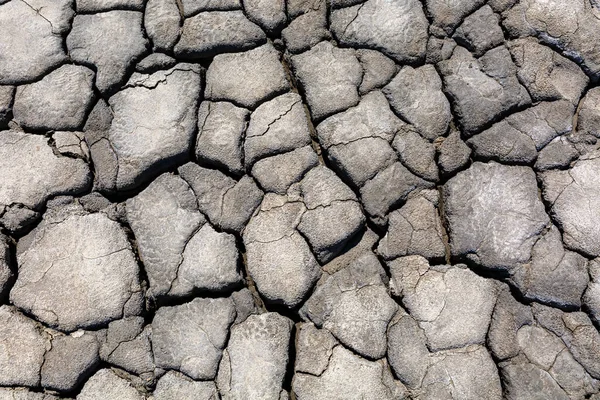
[299, 199]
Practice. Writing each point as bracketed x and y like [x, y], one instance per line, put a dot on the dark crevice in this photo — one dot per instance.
[168, 166]
[91, 327]
[566, 54]
[591, 85]
[121, 7]
[289, 372]
[41, 210]
[142, 273]
[286, 62]
[282, 309]
[386, 268]
[465, 134]
[172, 301]
[250, 284]
[445, 224]
[12, 264]
[496, 158]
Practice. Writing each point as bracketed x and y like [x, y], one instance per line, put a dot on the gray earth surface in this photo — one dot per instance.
[299, 199]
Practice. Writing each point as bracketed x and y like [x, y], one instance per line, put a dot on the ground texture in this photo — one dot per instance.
[299, 199]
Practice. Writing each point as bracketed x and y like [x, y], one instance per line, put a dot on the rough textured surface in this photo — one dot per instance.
[278, 257]
[378, 70]
[452, 305]
[482, 89]
[59, 101]
[89, 257]
[7, 94]
[161, 21]
[467, 373]
[398, 28]
[221, 128]
[106, 383]
[268, 14]
[277, 173]
[560, 24]
[177, 386]
[69, 361]
[589, 113]
[227, 203]
[388, 189]
[211, 33]
[308, 28]
[496, 222]
[31, 41]
[94, 6]
[299, 199]
[480, 31]
[554, 275]
[330, 78]
[155, 62]
[180, 250]
[126, 343]
[6, 274]
[147, 134]
[44, 174]
[453, 154]
[347, 376]
[416, 94]
[300, 222]
[25, 394]
[546, 74]
[90, 42]
[22, 342]
[360, 151]
[448, 14]
[276, 126]
[517, 138]
[246, 78]
[193, 7]
[545, 354]
[341, 304]
[573, 196]
[415, 229]
[255, 361]
[190, 338]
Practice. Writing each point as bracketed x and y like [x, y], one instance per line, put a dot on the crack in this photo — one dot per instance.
[445, 224]
[330, 355]
[222, 203]
[38, 12]
[202, 123]
[182, 258]
[275, 120]
[285, 62]
[331, 203]
[347, 142]
[105, 255]
[47, 349]
[353, 19]
[108, 356]
[295, 232]
[162, 80]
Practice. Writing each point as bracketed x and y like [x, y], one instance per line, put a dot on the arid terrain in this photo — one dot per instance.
[299, 199]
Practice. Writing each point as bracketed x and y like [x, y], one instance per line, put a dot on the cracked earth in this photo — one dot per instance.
[299, 199]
